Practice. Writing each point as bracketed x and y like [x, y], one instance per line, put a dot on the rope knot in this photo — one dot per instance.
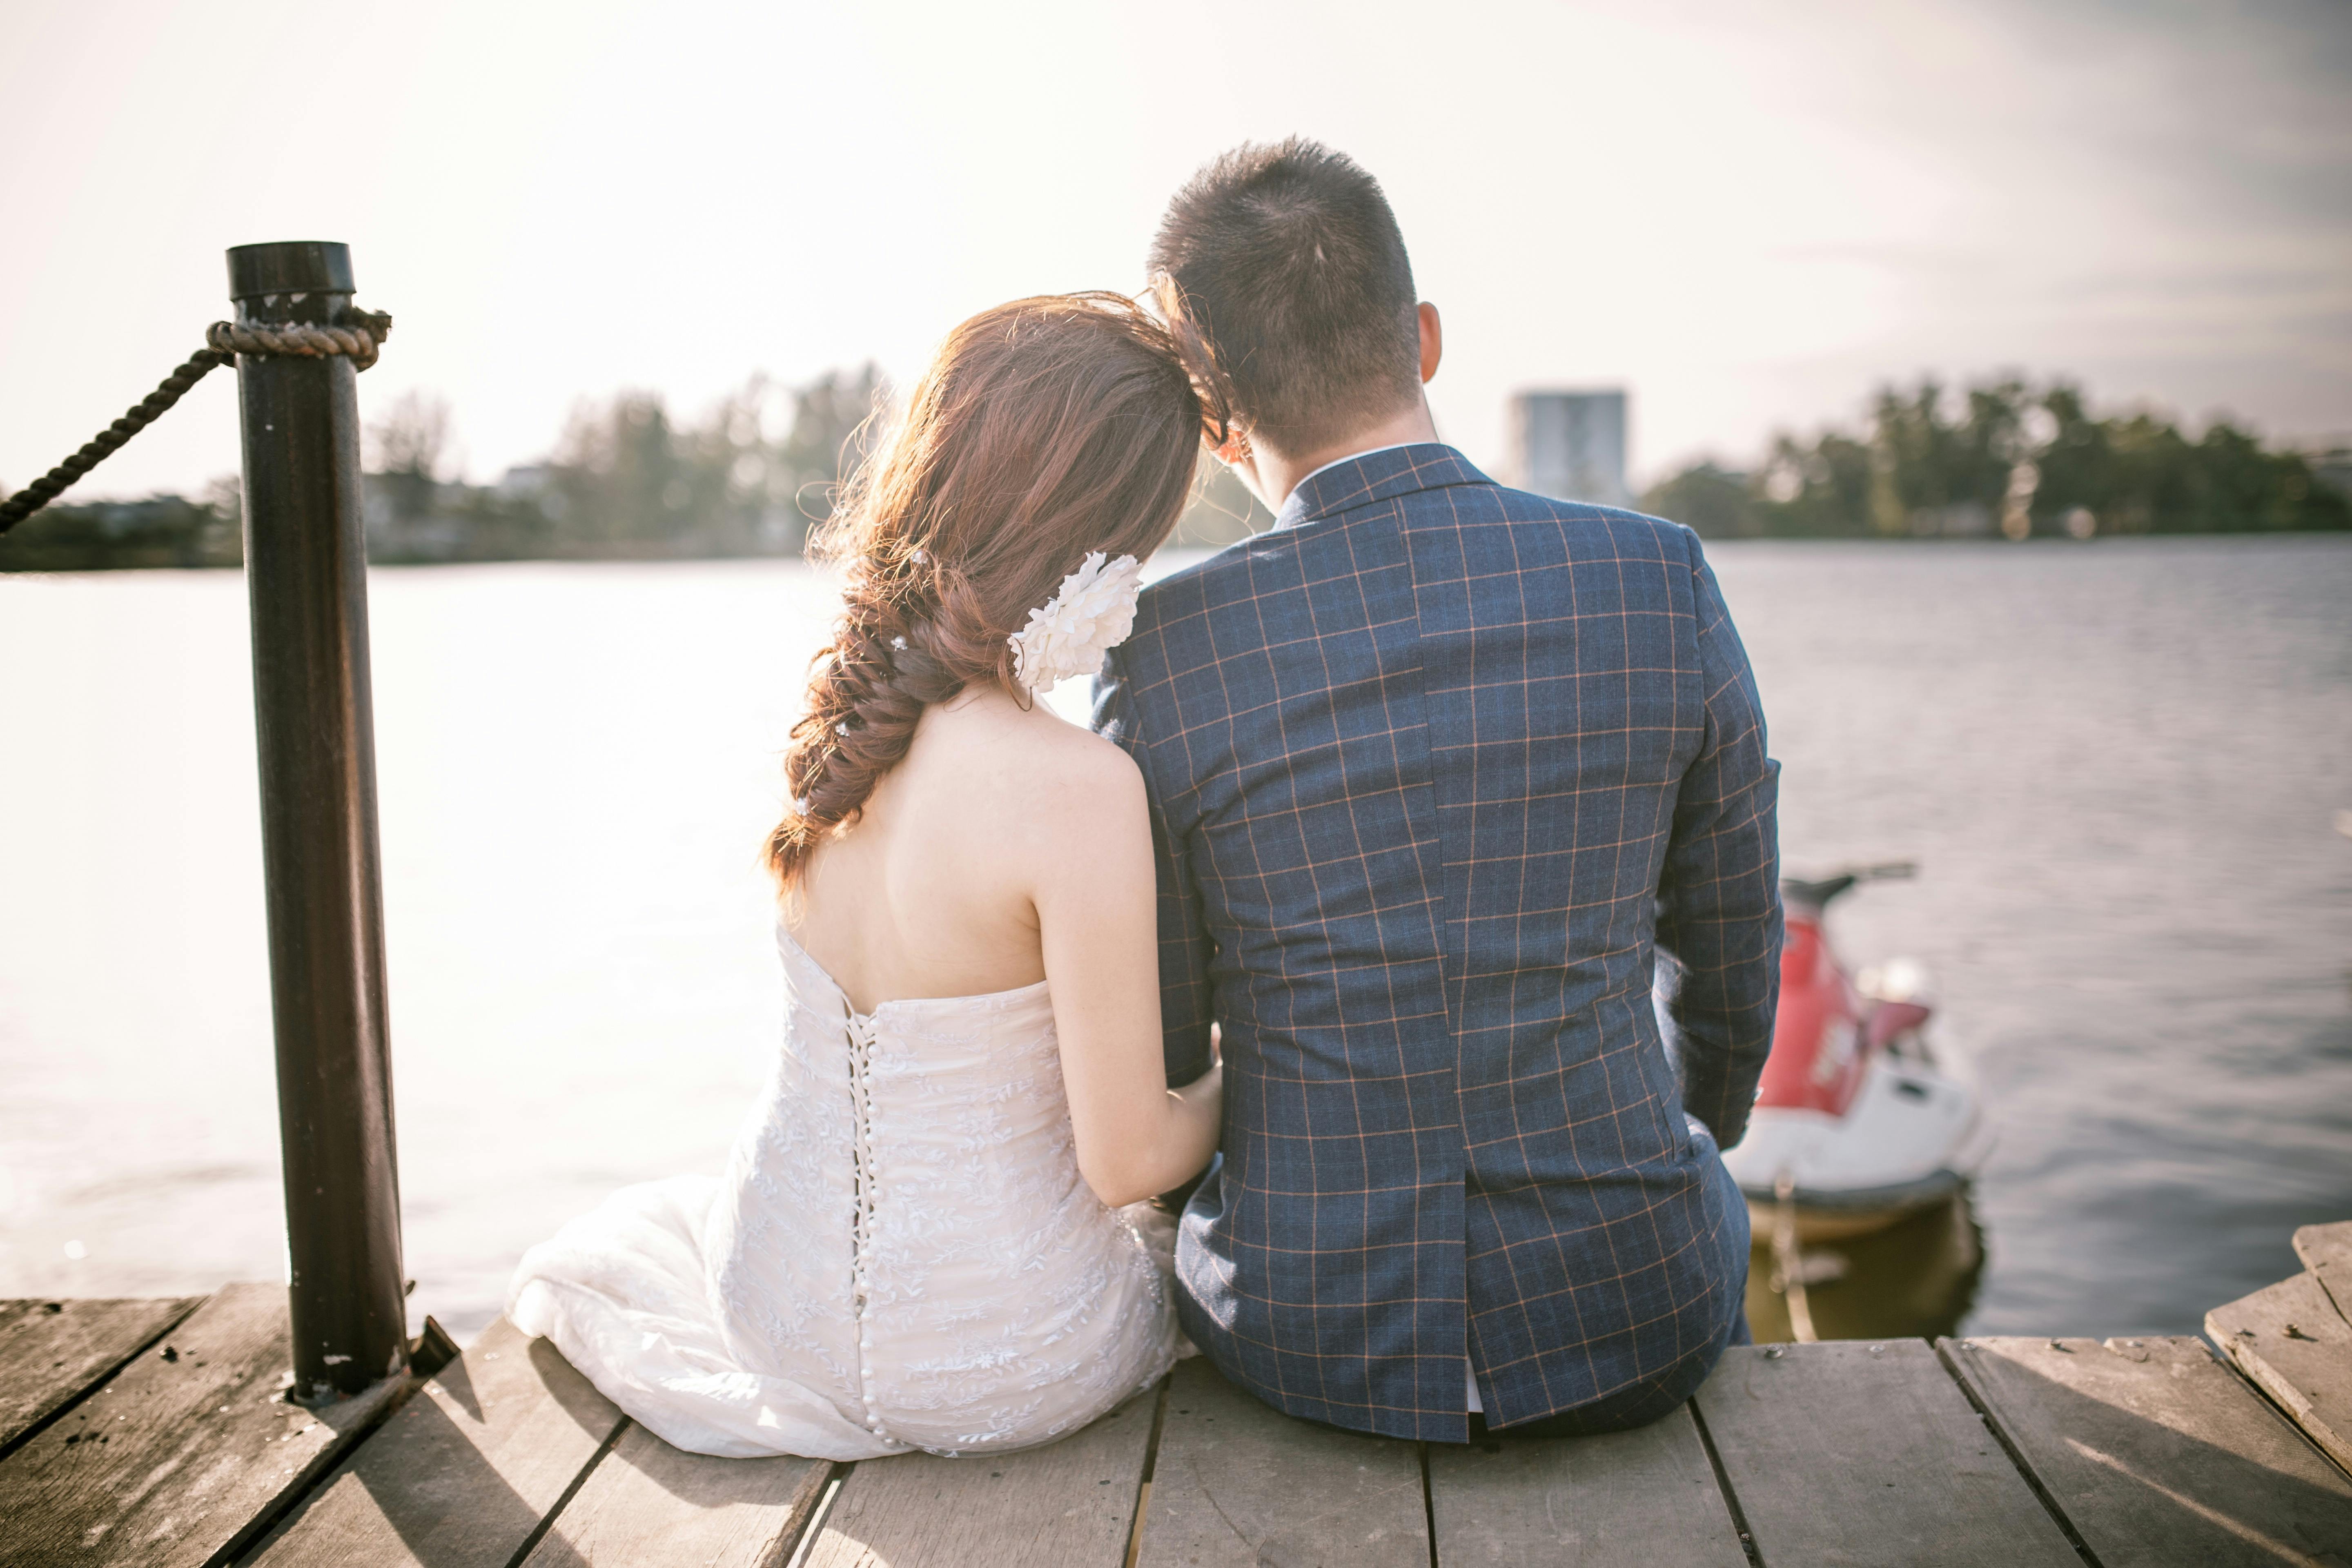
[360, 341]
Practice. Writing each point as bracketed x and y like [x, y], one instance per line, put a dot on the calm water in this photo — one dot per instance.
[2118, 764]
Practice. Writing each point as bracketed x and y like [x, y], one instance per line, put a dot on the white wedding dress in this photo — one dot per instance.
[901, 1254]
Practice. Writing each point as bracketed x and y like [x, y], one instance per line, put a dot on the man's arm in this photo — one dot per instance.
[1185, 946]
[1719, 895]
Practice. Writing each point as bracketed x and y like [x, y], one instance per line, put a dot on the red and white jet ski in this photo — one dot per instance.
[1859, 1120]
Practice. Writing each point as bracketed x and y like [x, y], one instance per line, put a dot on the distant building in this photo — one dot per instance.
[526, 481]
[1571, 445]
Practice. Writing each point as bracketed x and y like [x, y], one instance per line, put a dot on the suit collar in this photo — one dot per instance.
[1372, 476]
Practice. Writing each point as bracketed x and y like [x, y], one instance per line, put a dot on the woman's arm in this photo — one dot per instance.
[1096, 919]
[1186, 996]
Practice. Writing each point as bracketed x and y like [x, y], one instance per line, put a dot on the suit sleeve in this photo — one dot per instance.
[1719, 895]
[1185, 945]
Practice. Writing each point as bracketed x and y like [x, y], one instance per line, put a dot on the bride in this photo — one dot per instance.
[929, 1234]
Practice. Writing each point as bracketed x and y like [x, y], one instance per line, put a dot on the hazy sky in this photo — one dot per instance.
[1748, 213]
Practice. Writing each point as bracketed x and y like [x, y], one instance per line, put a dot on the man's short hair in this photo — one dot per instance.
[1287, 260]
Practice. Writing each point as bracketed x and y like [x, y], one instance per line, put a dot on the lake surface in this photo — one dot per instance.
[2118, 766]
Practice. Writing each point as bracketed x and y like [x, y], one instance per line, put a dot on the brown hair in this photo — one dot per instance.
[1290, 262]
[1043, 430]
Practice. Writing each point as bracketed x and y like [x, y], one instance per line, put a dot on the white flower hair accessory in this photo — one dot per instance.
[1089, 616]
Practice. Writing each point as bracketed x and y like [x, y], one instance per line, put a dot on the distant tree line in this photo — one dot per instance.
[758, 471]
[161, 530]
[2011, 459]
[627, 481]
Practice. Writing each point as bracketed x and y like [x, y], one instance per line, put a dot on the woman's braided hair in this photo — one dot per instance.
[1044, 430]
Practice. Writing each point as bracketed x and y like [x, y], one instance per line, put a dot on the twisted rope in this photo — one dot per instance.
[45, 489]
[361, 342]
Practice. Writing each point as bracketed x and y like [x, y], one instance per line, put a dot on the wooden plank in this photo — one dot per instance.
[1236, 1483]
[2290, 1341]
[466, 1470]
[53, 1351]
[1069, 1502]
[2326, 1251]
[2156, 1454]
[1629, 1500]
[177, 1457]
[1854, 1451]
[648, 1505]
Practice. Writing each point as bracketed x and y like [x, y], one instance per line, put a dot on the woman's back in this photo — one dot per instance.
[932, 893]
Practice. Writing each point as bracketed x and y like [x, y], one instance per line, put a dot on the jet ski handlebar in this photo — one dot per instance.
[1816, 895]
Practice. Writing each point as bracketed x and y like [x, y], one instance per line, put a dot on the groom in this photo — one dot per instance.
[1442, 775]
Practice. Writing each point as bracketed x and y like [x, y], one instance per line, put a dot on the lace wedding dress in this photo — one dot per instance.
[902, 1254]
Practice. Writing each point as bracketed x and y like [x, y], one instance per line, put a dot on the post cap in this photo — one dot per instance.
[290, 267]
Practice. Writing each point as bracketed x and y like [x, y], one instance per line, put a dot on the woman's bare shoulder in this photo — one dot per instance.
[1090, 771]
[1029, 773]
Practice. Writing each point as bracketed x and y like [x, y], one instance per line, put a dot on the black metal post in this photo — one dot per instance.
[306, 572]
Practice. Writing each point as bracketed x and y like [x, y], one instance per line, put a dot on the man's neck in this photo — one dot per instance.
[1273, 475]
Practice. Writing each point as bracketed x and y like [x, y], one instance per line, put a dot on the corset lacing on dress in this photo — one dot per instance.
[858, 1031]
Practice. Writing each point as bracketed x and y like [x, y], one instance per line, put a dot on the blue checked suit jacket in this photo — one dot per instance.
[1439, 772]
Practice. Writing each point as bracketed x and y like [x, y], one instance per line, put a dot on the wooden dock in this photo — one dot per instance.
[157, 1433]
